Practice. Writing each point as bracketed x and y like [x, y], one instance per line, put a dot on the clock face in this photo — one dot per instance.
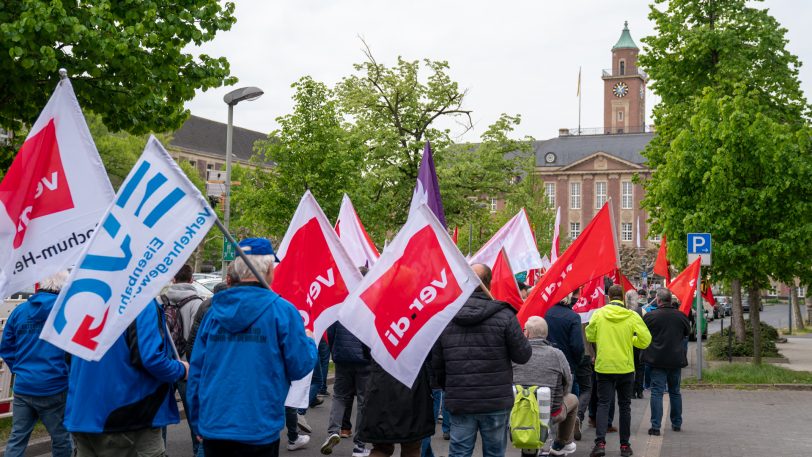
[620, 89]
[550, 157]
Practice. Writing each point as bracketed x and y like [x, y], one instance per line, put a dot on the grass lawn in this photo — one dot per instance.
[747, 373]
[796, 331]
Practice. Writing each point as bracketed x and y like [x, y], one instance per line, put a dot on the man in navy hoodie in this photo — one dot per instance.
[250, 346]
[40, 369]
[118, 405]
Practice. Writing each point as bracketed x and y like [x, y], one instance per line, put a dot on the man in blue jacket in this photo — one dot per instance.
[250, 346]
[41, 373]
[118, 405]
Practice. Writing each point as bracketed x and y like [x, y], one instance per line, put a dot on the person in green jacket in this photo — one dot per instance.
[616, 331]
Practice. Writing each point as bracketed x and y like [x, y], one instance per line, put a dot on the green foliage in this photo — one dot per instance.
[732, 152]
[745, 373]
[126, 59]
[717, 343]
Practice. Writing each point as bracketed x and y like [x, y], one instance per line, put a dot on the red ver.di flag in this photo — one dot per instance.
[315, 273]
[517, 238]
[354, 237]
[593, 254]
[503, 284]
[155, 223]
[592, 297]
[684, 286]
[52, 196]
[408, 297]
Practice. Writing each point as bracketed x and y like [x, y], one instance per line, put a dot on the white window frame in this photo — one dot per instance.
[657, 238]
[575, 230]
[493, 204]
[575, 195]
[549, 190]
[600, 197]
[801, 292]
[626, 198]
[626, 232]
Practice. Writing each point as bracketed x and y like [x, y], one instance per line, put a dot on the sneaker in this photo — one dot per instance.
[676, 428]
[654, 431]
[446, 436]
[626, 450]
[299, 443]
[611, 429]
[330, 443]
[576, 432]
[562, 449]
[345, 433]
[316, 402]
[360, 452]
[303, 425]
[599, 450]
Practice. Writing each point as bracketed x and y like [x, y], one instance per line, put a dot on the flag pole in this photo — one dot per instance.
[248, 263]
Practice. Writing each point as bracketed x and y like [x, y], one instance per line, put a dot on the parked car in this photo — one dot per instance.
[746, 304]
[209, 283]
[24, 294]
[726, 305]
[200, 276]
[692, 336]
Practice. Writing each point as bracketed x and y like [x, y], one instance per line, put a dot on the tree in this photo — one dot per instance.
[311, 150]
[732, 154]
[126, 59]
[394, 111]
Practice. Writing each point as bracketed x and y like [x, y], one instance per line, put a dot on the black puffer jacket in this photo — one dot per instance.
[668, 327]
[473, 358]
[345, 347]
[394, 413]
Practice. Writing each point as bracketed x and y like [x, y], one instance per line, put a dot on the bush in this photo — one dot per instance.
[717, 343]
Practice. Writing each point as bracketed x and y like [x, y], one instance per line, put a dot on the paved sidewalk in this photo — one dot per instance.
[798, 349]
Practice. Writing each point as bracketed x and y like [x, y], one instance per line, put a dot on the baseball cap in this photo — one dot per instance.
[258, 246]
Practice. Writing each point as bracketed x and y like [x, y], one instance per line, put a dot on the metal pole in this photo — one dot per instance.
[789, 317]
[699, 326]
[230, 239]
[227, 203]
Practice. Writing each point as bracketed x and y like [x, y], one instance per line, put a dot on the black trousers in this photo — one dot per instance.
[638, 372]
[608, 384]
[226, 448]
[593, 401]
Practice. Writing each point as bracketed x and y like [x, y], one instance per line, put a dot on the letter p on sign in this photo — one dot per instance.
[699, 244]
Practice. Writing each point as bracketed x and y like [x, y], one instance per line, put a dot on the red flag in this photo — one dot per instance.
[591, 255]
[684, 286]
[661, 265]
[456, 234]
[533, 276]
[707, 293]
[592, 297]
[503, 283]
[316, 273]
[410, 295]
[619, 278]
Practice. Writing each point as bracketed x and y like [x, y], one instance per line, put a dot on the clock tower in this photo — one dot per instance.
[624, 99]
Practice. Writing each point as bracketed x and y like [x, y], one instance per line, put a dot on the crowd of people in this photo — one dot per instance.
[231, 359]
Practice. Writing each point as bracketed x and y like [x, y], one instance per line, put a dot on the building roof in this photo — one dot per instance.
[209, 137]
[625, 41]
[569, 149]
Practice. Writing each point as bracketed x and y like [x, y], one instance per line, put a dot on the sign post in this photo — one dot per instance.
[229, 253]
[699, 245]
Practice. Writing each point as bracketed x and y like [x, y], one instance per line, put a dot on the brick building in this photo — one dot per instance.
[582, 168]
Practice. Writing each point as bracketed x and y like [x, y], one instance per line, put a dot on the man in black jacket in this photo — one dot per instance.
[565, 333]
[473, 363]
[666, 356]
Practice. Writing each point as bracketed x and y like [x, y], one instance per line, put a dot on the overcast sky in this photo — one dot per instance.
[517, 57]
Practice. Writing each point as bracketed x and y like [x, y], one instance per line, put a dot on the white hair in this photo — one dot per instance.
[536, 327]
[632, 298]
[263, 263]
[54, 282]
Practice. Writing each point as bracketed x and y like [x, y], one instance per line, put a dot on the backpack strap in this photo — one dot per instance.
[181, 303]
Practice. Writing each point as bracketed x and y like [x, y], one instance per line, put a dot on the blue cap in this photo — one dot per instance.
[258, 246]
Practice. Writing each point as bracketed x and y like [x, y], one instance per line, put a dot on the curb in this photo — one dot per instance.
[795, 387]
[37, 446]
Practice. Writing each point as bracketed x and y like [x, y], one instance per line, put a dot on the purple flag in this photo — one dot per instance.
[427, 190]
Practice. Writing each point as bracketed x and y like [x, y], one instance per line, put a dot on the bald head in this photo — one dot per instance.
[484, 273]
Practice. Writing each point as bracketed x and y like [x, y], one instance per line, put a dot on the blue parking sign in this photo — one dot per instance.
[699, 244]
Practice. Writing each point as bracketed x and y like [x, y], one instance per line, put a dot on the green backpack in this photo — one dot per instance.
[525, 425]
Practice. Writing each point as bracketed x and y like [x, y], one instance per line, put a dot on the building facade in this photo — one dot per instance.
[581, 169]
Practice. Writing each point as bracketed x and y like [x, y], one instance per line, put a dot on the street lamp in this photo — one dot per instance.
[231, 99]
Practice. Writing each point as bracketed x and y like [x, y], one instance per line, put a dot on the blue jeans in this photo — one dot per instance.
[660, 379]
[182, 391]
[315, 384]
[51, 411]
[437, 394]
[492, 427]
[324, 363]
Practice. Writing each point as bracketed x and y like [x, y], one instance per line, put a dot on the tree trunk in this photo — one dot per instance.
[796, 307]
[755, 321]
[808, 301]
[737, 315]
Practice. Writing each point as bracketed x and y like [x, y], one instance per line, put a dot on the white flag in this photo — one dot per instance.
[555, 249]
[156, 221]
[409, 296]
[52, 196]
[517, 239]
[354, 237]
